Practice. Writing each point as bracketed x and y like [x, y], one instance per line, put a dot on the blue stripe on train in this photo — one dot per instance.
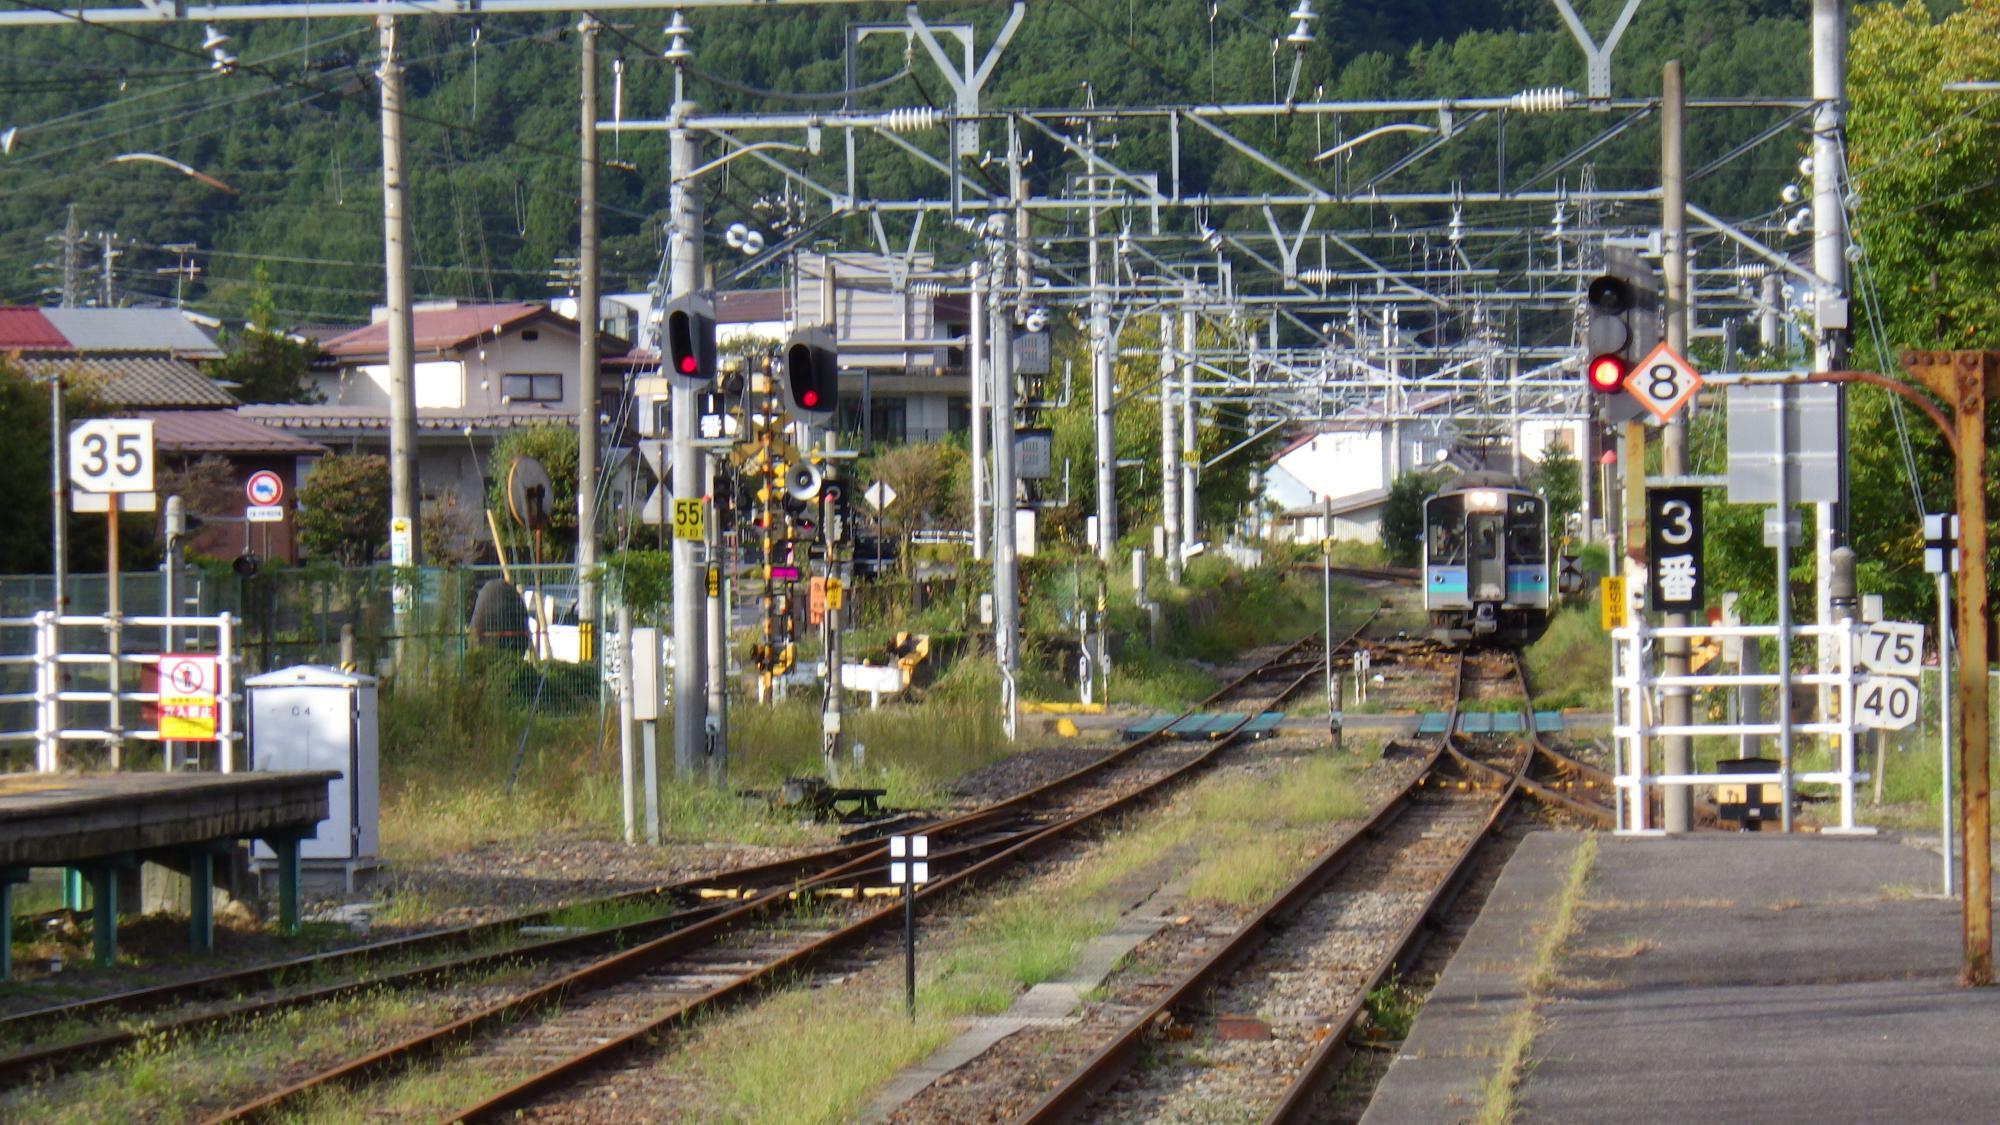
[1445, 580]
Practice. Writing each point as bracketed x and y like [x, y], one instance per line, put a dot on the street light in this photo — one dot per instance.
[156, 158]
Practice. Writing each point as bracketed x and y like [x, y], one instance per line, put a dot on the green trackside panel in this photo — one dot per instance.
[1549, 722]
[1151, 724]
[1509, 722]
[1476, 722]
[1263, 725]
[1433, 722]
[1219, 725]
[1194, 726]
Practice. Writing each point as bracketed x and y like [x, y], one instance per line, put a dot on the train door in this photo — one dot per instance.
[1486, 561]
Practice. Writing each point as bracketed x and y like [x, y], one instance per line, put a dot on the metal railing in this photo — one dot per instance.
[1635, 688]
[100, 707]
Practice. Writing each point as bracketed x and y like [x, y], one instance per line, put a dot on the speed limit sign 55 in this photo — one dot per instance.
[112, 455]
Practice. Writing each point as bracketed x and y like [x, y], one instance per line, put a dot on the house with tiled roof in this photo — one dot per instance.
[481, 371]
[148, 363]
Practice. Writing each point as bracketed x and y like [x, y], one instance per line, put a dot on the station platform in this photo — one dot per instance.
[1719, 977]
[98, 824]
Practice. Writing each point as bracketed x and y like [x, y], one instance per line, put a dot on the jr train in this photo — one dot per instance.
[1486, 561]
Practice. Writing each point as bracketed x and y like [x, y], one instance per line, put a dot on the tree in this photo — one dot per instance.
[923, 477]
[1557, 478]
[554, 446]
[264, 364]
[1403, 516]
[344, 508]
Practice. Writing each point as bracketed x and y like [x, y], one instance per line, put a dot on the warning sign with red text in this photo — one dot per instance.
[188, 688]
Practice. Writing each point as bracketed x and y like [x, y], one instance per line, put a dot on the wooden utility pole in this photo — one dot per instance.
[1966, 381]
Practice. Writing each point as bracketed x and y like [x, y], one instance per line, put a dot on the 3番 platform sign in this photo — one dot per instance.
[1673, 550]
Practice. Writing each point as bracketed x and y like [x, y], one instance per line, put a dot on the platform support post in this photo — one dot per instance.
[104, 914]
[201, 899]
[287, 851]
[72, 889]
[8, 877]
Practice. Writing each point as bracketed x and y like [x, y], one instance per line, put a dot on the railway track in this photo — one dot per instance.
[579, 1012]
[1262, 1022]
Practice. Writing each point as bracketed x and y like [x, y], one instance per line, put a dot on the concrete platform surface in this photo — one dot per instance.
[1761, 977]
[54, 819]
[1715, 977]
[1439, 1073]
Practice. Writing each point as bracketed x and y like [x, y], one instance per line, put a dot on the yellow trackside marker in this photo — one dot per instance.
[1611, 603]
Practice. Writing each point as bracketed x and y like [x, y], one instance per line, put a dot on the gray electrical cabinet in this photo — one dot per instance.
[311, 717]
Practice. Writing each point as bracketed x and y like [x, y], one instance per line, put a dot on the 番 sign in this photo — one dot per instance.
[1893, 648]
[1673, 550]
[188, 692]
[112, 455]
[264, 488]
[1886, 702]
[1663, 382]
[688, 521]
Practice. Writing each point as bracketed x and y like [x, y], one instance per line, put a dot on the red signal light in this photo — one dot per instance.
[687, 365]
[809, 398]
[1606, 374]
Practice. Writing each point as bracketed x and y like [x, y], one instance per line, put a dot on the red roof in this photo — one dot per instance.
[439, 330]
[28, 330]
[223, 431]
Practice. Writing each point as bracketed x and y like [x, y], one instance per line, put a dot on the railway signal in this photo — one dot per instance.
[1623, 325]
[810, 386]
[690, 332]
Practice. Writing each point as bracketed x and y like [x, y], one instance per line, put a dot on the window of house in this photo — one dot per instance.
[531, 334]
[532, 388]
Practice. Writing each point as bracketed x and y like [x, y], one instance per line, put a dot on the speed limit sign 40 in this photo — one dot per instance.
[112, 455]
[1886, 702]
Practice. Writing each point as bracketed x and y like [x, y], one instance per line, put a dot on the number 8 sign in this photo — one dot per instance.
[1663, 382]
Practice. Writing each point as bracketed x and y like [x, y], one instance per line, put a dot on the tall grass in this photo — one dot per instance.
[1571, 665]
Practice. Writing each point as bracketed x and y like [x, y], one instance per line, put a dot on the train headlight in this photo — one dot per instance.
[1484, 500]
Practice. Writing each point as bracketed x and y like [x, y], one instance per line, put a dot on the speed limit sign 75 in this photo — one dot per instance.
[112, 455]
[1894, 648]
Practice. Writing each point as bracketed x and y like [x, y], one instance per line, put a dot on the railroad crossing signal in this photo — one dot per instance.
[1663, 382]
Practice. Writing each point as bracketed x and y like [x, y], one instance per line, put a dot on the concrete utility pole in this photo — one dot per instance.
[1678, 810]
[690, 649]
[1829, 90]
[1100, 376]
[108, 257]
[1190, 449]
[1006, 588]
[976, 375]
[587, 360]
[1170, 452]
[402, 345]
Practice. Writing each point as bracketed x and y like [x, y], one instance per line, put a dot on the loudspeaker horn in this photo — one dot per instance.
[802, 481]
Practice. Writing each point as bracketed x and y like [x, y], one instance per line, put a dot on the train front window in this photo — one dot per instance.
[1488, 538]
[1444, 540]
[1525, 543]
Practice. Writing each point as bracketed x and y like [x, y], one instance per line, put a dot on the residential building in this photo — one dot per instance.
[146, 363]
[481, 371]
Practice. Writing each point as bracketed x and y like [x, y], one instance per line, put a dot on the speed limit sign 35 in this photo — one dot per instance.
[112, 455]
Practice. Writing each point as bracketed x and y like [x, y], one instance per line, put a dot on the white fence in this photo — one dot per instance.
[90, 693]
[1635, 695]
